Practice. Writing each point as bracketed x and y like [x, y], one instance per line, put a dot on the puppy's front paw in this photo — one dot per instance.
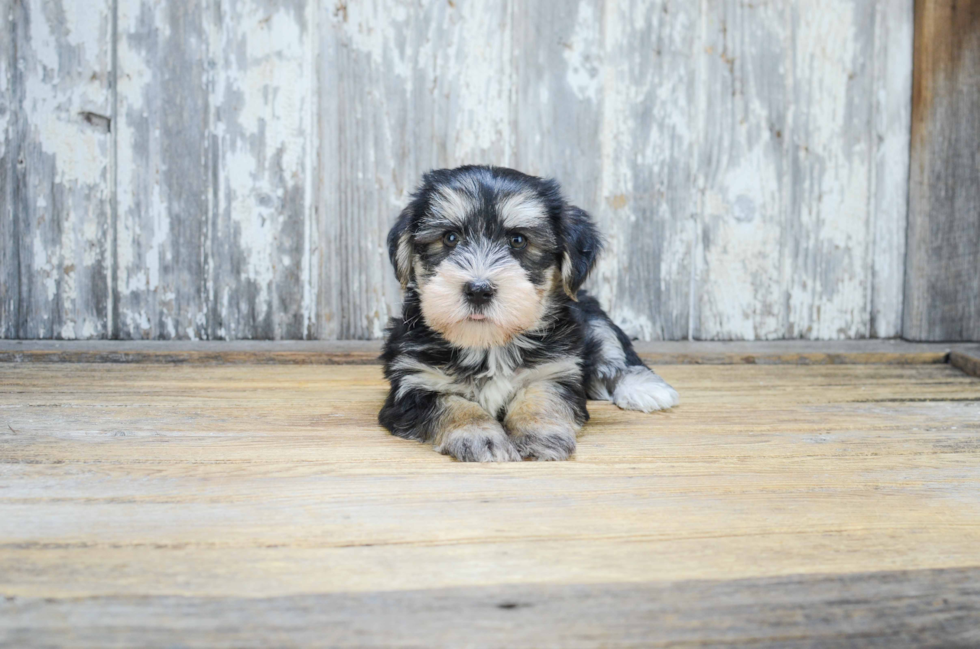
[640, 389]
[550, 443]
[478, 442]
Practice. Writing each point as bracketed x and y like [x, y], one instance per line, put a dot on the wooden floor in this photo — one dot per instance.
[262, 505]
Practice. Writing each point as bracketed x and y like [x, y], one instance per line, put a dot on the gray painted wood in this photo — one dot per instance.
[402, 91]
[367, 352]
[57, 176]
[9, 244]
[914, 608]
[263, 281]
[603, 94]
[606, 100]
[791, 203]
[942, 289]
[215, 176]
[746, 162]
[650, 95]
[163, 180]
[890, 145]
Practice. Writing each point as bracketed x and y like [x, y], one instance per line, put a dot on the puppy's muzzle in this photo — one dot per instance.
[479, 293]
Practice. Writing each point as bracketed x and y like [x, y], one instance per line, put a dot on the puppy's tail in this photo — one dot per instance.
[613, 371]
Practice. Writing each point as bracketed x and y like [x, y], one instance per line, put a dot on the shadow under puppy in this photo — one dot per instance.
[496, 350]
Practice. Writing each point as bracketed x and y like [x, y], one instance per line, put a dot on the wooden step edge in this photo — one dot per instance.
[967, 360]
[860, 352]
[796, 358]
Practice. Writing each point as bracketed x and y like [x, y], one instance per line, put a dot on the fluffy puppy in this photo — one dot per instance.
[497, 350]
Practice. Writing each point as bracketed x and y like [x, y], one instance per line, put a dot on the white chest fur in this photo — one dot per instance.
[503, 379]
[496, 386]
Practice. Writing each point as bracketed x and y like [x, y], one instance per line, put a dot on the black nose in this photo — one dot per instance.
[479, 293]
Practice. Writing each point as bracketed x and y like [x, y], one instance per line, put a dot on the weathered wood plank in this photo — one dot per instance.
[799, 237]
[893, 609]
[745, 161]
[855, 352]
[759, 509]
[646, 148]
[942, 289]
[287, 352]
[966, 359]
[58, 146]
[263, 274]
[9, 235]
[744, 219]
[892, 97]
[403, 89]
[829, 157]
[558, 95]
[164, 145]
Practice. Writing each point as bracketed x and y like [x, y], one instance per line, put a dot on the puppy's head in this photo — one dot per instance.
[489, 250]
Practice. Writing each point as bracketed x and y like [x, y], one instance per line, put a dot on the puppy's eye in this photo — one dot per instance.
[518, 241]
[450, 239]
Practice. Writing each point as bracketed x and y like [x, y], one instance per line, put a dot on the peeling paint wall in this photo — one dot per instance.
[56, 161]
[227, 169]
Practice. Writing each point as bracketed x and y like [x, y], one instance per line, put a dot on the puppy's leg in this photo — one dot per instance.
[457, 426]
[426, 405]
[542, 421]
[613, 370]
[468, 433]
[640, 388]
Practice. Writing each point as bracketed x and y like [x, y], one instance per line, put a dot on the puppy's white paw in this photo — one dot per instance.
[640, 389]
[479, 443]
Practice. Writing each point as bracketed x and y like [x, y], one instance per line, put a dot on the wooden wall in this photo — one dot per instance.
[229, 168]
[943, 279]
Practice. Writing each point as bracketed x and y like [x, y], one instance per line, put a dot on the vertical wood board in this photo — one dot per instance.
[9, 235]
[215, 176]
[646, 149]
[892, 130]
[801, 220]
[163, 190]
[942, 288]
[262, 282]
[57, 160]
[403, 90]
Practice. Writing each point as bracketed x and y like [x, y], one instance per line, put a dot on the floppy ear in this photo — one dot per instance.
[582, 245]
[401, 248]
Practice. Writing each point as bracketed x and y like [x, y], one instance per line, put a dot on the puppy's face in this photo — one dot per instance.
[487, 250]
[485, 263]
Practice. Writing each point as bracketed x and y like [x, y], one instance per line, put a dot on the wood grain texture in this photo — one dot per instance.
[942, 289]
[9, 240]
[164, 178]
[966, 359]
[263, 273]
[215, 181]
[786, 352]
[746, 162]
[650, 84]
[403, 89]
[800, 151]
[760, 505]
[57, 160]
[802, 101]
[892, 110]
[286, 352]
[894, 609]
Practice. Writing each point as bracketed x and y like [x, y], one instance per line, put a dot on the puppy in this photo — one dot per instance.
[497, 350]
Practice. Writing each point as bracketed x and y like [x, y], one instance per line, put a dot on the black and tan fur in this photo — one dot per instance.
[497, 349]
